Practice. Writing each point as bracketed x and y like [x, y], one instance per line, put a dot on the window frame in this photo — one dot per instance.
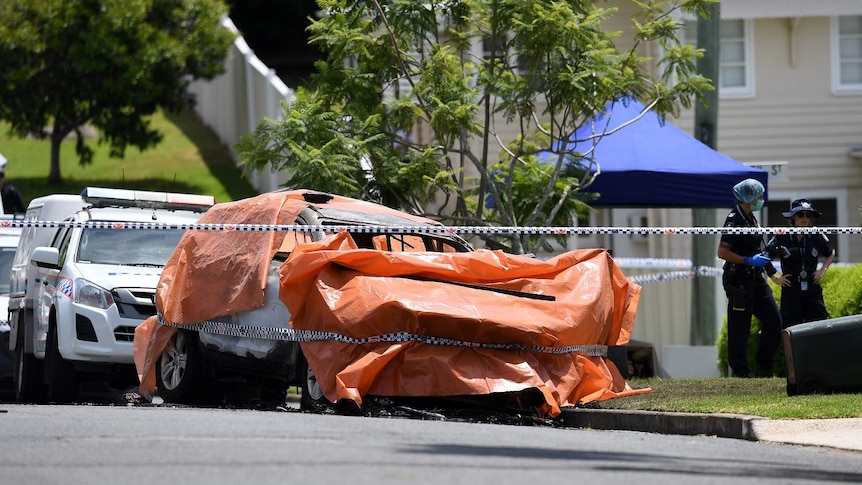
[504, 56]
[839, 88]
[748, 90]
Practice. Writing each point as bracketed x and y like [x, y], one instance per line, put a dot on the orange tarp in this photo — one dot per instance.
[332, 286]
[214, 273]
[221, 272]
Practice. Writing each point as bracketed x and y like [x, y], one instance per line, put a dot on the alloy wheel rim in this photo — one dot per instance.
[173, 362]
[313, 386]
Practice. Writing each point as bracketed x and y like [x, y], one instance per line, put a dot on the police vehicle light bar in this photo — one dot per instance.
[104, 197]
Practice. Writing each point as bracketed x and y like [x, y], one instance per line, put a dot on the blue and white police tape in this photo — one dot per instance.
[653, 263]
[433, 229]
[677, 275]
[293, 335]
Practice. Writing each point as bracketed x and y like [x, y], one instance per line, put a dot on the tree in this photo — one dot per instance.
[109, 63]
[414, 100]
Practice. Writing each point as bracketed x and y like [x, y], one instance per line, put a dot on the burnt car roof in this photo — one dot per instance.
[333, 216]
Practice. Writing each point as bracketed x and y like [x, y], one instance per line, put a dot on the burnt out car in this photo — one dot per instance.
[349, 299]
[256, 344]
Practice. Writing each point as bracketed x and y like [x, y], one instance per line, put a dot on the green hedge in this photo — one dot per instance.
[842, 293]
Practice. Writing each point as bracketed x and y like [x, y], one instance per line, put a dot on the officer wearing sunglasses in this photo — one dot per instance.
[801, 293]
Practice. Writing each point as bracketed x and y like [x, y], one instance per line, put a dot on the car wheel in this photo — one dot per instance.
[60, 374]
[312, 398]
[27, 374]
[180, 376]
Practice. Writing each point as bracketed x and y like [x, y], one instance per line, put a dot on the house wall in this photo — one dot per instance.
[795, 117]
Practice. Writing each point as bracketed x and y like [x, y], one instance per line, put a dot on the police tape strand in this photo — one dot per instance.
[297, 335]
[431, 229]
[677, 275]
[426, 229]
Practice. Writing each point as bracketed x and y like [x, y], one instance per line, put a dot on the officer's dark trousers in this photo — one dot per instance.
[761, 304]
[799, 306]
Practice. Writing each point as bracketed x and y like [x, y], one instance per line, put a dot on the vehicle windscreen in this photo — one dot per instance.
[387, 242]
[6, 257]
[134, 247]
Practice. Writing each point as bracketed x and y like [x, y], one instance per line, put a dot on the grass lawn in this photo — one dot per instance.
[190, 159]
[756, 397]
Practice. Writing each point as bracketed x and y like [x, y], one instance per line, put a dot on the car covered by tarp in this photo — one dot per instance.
[376, 322]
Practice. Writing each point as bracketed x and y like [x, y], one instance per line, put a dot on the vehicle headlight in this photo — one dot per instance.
[87, 293]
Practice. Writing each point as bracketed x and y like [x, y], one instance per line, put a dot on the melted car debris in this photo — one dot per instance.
[487, 409]
[443, 411]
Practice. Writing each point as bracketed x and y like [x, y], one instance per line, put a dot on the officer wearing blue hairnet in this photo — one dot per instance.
[747, 290]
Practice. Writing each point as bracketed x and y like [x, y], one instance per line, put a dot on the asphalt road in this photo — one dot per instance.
[146, 444]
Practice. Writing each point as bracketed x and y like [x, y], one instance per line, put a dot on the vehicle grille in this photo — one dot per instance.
[124, 333]
[137, 303]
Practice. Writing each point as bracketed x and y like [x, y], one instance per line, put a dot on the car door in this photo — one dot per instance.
[47, 291]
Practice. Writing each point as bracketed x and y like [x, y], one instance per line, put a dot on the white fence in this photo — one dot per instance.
[663, 317]
[234, 103]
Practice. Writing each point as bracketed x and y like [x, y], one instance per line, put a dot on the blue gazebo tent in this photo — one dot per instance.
[654, 164]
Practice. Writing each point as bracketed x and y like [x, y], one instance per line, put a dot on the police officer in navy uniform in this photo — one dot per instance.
[11, 197]
[747, 290]
[801, 293]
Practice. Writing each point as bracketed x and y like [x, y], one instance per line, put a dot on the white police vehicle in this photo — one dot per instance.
[9, 237]
[80, 287]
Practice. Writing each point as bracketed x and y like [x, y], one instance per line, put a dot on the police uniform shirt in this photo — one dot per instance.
[12, 202]
[804, 252]
[744, 244]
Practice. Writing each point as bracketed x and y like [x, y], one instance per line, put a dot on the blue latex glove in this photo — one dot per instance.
[758, 260]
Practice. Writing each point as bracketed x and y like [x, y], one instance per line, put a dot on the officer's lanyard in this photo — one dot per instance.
[803, 273]
[802, 242]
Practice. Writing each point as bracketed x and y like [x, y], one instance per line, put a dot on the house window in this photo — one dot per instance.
[847, 54]
[498, 49]
[736, 57]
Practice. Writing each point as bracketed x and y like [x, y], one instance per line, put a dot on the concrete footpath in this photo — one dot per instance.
[843, 434]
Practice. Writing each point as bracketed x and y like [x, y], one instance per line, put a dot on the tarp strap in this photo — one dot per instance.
[295, 335]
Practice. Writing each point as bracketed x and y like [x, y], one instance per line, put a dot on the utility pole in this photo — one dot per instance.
[703, 314]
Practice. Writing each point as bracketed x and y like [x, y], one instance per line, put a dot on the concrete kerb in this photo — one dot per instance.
[722, 425]
[837, 433]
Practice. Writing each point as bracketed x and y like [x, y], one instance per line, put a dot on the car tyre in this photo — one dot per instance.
[312, 398]
[60, 374]
[180, 374]
[27, 374]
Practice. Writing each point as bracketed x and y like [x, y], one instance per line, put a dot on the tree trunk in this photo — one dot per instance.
[54, 177]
